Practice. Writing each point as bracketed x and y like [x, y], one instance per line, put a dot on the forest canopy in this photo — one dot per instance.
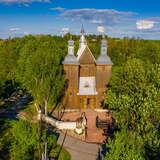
[34, 65]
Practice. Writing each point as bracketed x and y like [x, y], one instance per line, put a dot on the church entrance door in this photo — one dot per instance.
[88, 102]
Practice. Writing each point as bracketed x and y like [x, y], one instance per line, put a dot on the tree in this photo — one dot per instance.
[125, 146]
[133, 100]
[40, 70]
[9, 54]
[24, 144]
[5, 138]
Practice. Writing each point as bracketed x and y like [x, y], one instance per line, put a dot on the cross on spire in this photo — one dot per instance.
[82, 38]
[82, 30]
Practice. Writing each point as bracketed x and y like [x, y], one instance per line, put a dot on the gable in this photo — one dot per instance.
[86, 57]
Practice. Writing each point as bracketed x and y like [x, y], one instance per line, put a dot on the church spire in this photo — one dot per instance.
[104, 46]
[82, 40]
[71, 47]
[70, 57]
[103, 57]
[82, 30]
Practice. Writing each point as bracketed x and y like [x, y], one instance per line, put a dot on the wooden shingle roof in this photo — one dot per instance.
[86, 56]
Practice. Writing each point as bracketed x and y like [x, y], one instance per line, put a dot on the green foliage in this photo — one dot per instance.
[64, 155]
[121, 50]
[24, 145]
[20, 140]
[35, 62]
[153, 74]
[133, 97]
[125, 146]
[40, 70]
[5, 138]
[9, 53]
[129, 78]
[133, 100]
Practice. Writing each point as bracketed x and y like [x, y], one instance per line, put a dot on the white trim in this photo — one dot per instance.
[101, 110]
[87, 86]
[81, 51]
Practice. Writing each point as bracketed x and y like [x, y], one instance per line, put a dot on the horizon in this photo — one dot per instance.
[138, 19]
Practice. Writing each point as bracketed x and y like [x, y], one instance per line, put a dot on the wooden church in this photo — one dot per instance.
[87, 77]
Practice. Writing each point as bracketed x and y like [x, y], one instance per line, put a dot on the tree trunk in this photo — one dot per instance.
[46, 106]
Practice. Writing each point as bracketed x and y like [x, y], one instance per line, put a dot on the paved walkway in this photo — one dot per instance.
[79, 150]
[93, 134]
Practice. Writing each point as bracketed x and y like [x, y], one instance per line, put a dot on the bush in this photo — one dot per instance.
[64, 154]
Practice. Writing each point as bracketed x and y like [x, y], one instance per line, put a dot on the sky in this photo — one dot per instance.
[117, 18]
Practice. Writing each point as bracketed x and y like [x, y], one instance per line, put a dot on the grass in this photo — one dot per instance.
[64, 154]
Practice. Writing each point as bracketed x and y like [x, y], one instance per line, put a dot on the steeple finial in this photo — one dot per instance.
[71, 47]
[70, 58]
[82, 30]
[103, 57]
[103, 36]
[104, 46]
[82, 40]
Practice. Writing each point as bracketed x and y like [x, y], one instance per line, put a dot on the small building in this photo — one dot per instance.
[87, 77]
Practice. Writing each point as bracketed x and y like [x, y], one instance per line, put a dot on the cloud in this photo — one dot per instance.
[22, 1]
[96, 16]
[58, 9]
[156, 19]
[101, 29]
[64, 31]
[26, 33]
[145, 24]
[14, 29]
[94, 21]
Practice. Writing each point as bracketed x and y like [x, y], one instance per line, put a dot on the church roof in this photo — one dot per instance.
[85, 56]
[70, 59]
[104, 59]
[80, 51]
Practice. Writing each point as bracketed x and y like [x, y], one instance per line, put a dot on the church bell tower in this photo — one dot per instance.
[86, 77]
